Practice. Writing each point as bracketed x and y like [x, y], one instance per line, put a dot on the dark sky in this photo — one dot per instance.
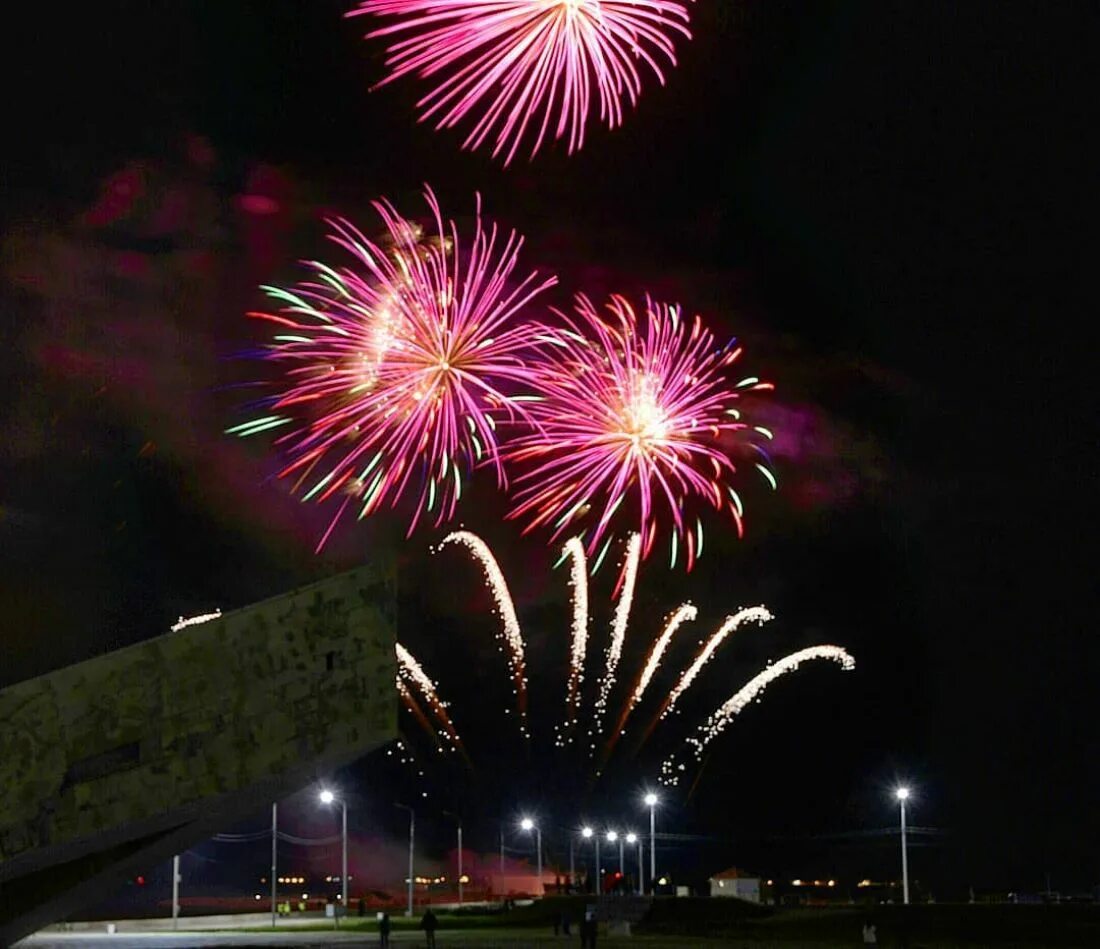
[885, 200]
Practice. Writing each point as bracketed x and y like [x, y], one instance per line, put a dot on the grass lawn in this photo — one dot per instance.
[731, 923]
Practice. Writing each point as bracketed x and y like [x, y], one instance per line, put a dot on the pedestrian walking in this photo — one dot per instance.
[429, 924]
[384, 930]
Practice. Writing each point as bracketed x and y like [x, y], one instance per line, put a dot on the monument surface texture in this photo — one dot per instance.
[116, 763]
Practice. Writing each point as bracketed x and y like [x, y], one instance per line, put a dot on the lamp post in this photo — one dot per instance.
[589, 834]
[327, 797]
[902, 794]
[528, 825]
[274, 857]
[176, 891]
[612, 836]
[458, 820]
[633, 838]
[651, 802]
[412, 837]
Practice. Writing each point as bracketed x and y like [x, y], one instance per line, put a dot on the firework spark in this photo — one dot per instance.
[511, 637]
[752, 614]
[410, 702]
[527, 67]
[511, 634]
[618, 627]
[578, 582]
[750, 691]
[393, 367]
[636, 412]
[684, 614]
[410, 670]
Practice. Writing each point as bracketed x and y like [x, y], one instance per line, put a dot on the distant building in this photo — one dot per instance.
[738, 883]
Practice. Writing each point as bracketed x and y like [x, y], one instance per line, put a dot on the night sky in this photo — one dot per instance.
[886, 202]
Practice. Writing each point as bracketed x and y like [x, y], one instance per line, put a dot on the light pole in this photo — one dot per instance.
[412, 837]
[612, 836]
[588, 833]
[176, 891]
[651, 802]
[633, 838]
[274, 857]
[458, 820]
[902, 794]
[528, 825]
[327, 797]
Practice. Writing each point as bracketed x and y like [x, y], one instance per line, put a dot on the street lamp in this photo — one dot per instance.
[612, 836]
[902, 794]
[327, 797]
[589, 834]
[528, 825]
[458, 820]
[632, 838]
[651, 801]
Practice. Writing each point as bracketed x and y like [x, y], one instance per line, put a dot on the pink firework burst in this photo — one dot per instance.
[636, 421]
[393, 366]
[519, 67]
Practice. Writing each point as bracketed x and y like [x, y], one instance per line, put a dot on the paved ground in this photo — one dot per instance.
[496, 939]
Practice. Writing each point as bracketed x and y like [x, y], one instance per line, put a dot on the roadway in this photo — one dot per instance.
[468, 939]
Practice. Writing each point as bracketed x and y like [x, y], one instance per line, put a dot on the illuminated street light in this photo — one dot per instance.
[327, 797]
[528, 825]
[612, 836]
[651, 801]
[589, 834]
[902, 794]
[632, 838]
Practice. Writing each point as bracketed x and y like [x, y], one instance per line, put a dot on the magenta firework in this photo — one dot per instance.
[635, 423]
[393, 365]
[525, 69]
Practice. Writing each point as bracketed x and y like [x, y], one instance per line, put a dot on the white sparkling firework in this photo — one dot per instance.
[752, 614]
[183, 623]
[408, 668]
[750, 691]
[684, 614]
[578, 581]
[618, 627]
[417, 712]
[511, 633]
